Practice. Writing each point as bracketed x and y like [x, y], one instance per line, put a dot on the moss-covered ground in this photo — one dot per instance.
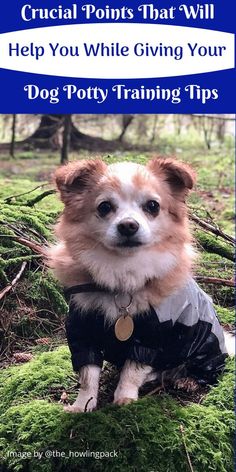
[160, 433]
[152, 434]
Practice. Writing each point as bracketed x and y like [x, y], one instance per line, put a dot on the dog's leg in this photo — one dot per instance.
[88, 393]
[133, 376]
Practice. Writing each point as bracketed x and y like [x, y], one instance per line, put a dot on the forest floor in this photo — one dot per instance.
[33, 312]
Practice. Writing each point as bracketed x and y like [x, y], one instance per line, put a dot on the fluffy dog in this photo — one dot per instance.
[124, 257]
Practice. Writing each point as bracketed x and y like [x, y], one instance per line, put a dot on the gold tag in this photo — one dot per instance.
[124, 327]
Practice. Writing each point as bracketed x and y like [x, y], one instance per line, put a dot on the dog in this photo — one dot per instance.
[125, 258]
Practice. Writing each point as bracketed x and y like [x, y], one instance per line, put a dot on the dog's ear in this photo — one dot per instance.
[180, 176]
[76, 177]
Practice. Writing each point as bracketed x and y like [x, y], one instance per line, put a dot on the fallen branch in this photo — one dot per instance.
[40, 197]
[8, 199]
[214, 245]
[9, 287]
[157, 389]
[213, 229]
[215, 281]
[26, 242]
[18, 230]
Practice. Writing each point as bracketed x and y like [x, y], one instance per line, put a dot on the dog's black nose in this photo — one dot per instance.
[128, 227]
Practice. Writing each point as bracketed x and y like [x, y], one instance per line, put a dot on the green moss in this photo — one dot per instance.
[5, 240]
[25, 215]
[55, 295]
[225, 315]
[46, 293]
[214, 245]
[222, 395]
[17, 260]
[41, 299]
[146, 435]
[34, 378]
[3, 278]
[213, 265]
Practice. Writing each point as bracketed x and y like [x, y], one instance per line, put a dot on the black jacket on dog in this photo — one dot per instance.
[182, 331]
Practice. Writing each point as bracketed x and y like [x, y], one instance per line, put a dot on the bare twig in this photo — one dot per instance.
[181, 428]
[40, 197]
[19, 230]
[9, 287]
[157, 389]
[86, 406]
[212, 229]
[26, 242]
[34, 233]
[8, 199]
[14, 228]
[215, 281]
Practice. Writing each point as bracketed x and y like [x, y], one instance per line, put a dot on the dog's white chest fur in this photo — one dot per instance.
[130, 273]
[125, 275]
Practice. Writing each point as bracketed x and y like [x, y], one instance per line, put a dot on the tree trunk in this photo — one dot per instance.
[13, 136]
[126, 121]
[49, 135]
[154, 129]
[66, 139]
[48, 126]
[221, 129]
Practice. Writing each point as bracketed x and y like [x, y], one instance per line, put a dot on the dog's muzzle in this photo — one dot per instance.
[128, 227]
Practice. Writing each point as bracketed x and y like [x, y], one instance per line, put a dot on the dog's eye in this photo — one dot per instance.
[104, 208]
[152, 207]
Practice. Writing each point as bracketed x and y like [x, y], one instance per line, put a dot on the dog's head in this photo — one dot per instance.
[125, 206]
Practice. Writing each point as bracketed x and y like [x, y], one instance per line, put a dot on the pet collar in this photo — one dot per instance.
[124, 325]
[84, 288]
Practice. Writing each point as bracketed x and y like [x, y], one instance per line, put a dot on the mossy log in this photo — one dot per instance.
[151, 434]
[36, 306]
[213, 245]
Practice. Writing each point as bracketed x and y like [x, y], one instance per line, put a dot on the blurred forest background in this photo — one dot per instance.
[32, 304]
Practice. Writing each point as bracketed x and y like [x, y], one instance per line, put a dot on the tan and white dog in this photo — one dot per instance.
[124, 228]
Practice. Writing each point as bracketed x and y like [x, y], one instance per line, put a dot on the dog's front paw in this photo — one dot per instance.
[72, 409]
[124, 401]
[125, 394]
